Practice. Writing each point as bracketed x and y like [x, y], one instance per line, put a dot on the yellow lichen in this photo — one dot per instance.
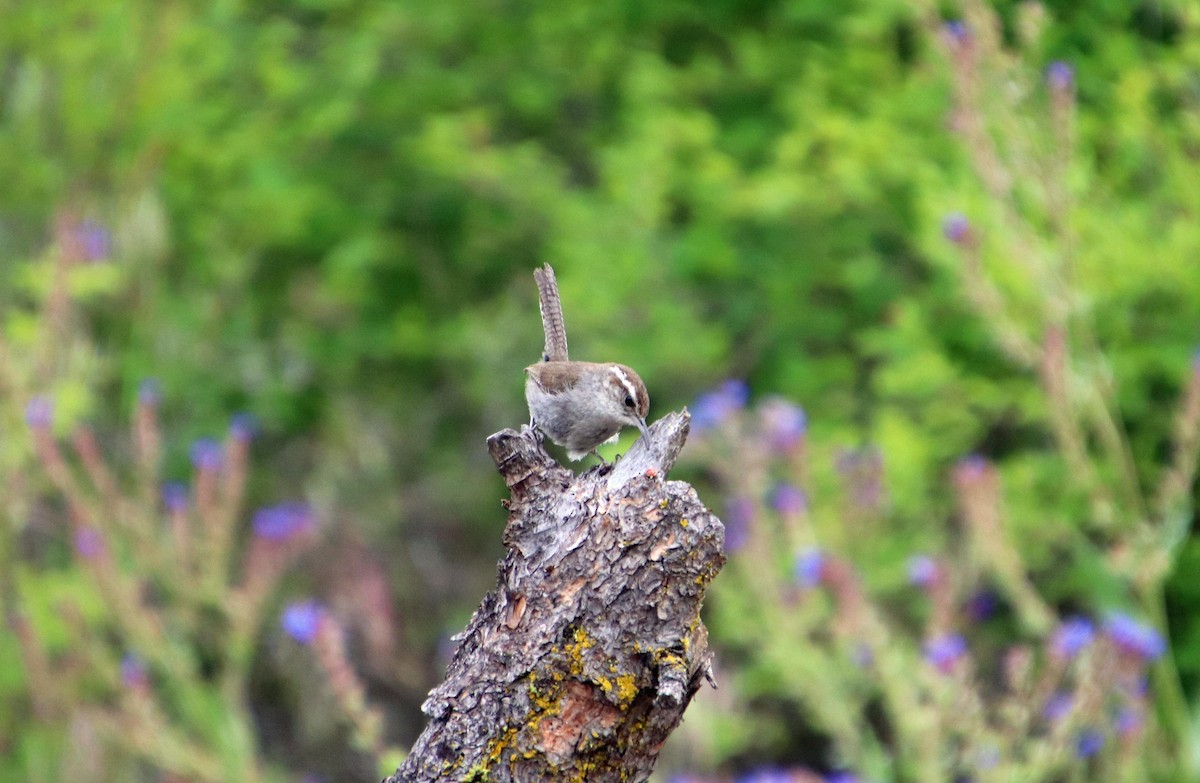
[581, 642]
[583, 638]
[668, 657]
[627, 689]
[495, 750]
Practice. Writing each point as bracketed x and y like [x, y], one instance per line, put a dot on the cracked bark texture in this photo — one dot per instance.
[582, 660]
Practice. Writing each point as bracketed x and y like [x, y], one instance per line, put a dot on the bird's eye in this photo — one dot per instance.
[628, 401]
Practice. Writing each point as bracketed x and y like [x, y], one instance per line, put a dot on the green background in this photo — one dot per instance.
[327, 213]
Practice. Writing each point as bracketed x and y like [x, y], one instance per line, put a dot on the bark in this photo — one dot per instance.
[582, 660]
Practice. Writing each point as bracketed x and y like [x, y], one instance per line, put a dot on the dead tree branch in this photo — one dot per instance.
[582, 660]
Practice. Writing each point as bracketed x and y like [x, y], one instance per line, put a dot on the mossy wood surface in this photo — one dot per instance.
[582, 660]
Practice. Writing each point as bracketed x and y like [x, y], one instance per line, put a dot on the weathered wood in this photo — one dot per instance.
[582, 660]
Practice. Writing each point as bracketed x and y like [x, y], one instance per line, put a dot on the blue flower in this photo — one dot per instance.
[765, 775]
[713, 408]
[1060, 76]
[243, 427]
[88, 542]
[922, 571]
[944, 652]
[175, 496]
[842, 777]
[1128, 722]
[957, 31]
[1070, 638]
[206, 454]
[1134, 638]
[739, 517]
[94, 240]
[956, 228]
[1058, 706]
[809, 568]
[281, 522]
[1088, 743]
[971, 468]
[133, 671]
[302, 620]
[784, 424]
[149, 393]
[982, 605]
[789, 499]
[39, 412]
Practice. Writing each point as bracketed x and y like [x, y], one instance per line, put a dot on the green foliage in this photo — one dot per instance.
[325, 212]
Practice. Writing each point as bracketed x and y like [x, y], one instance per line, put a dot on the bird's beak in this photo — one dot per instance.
[641, 423]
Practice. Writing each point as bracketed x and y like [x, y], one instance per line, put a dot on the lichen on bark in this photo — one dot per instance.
[581, 661]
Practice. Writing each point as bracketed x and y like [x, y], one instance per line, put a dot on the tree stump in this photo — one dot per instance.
[582, 660]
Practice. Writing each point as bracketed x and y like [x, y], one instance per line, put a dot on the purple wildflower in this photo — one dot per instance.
[302, 620]
[1128, 722]
[88, 542]
[1088, 743]
[842, 777]
[737, 391]
[783, 424]
[971, 468]
[206, 454]
[243, 427]
[713, 408]
[94, 240]
[956, 228]
[1134, 638]
[1060, 76]
[944, 652]
[809, 568]
[922, 571]
[39, 413]
[149, 393]
[956, 32]
[739, 517]
[133, 671]
[1058, 706]
[175, 496]
[1070, 638]
[982, 605]
[789, 499]
[765, 775]
[281, 522]
[862, 656]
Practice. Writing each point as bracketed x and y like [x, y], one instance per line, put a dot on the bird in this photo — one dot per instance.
[579, 405]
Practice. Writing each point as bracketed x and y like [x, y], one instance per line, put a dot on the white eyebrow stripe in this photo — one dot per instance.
[624, 379]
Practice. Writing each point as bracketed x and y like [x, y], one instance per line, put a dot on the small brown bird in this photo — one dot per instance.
[579, 405]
